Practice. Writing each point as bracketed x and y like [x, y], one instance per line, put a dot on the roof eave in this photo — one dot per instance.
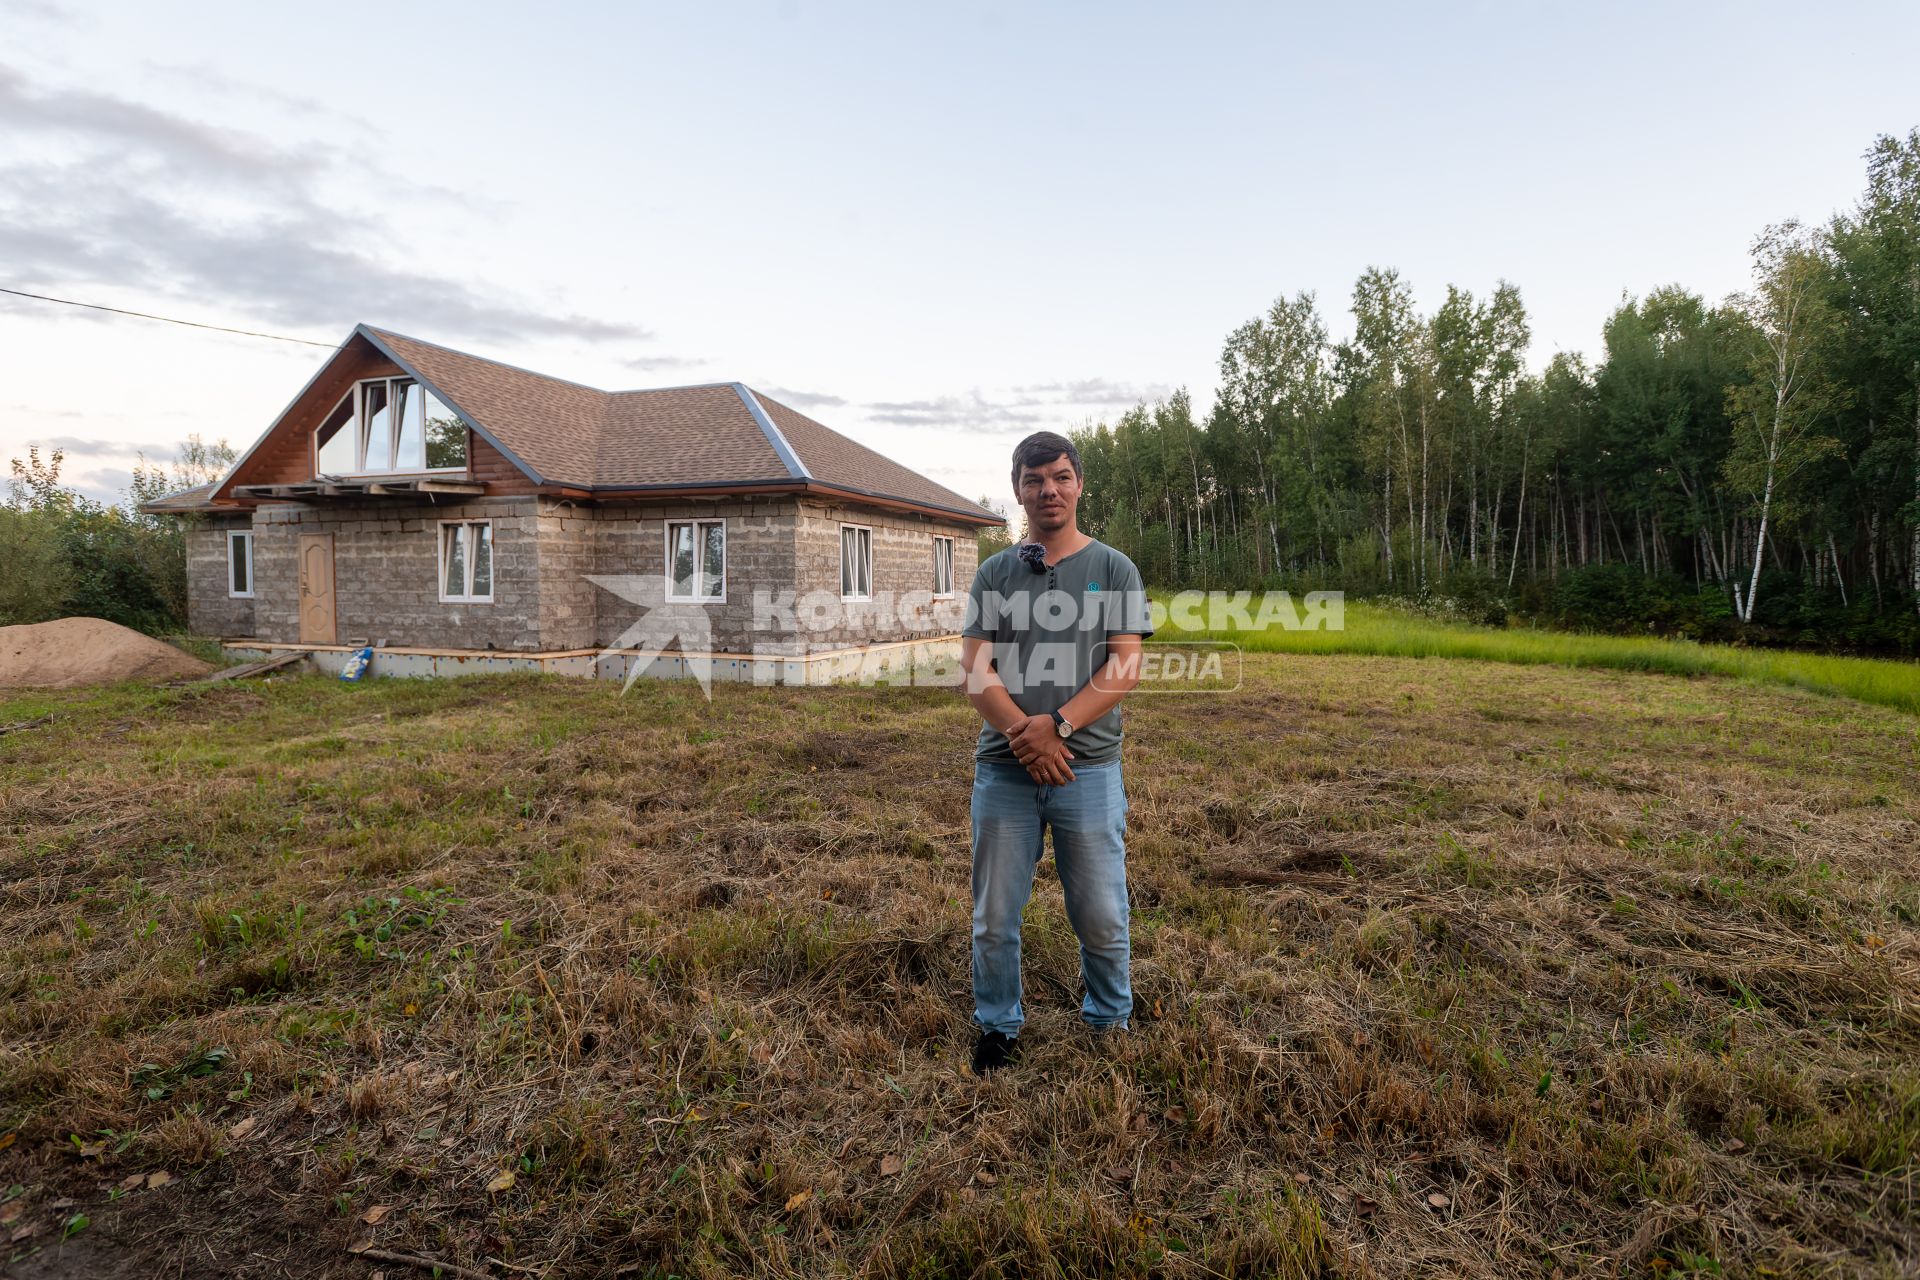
[205, 508]
[193, 500]
[983, 519]
[816, 488]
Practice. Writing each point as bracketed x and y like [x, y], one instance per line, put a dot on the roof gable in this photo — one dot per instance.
[286, 443]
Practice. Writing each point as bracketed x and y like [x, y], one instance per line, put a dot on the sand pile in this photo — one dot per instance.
[80, 651]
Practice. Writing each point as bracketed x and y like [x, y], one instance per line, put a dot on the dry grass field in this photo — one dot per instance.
[1453, 968]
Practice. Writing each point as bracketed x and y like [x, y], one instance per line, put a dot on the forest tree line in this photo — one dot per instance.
[1747, 468]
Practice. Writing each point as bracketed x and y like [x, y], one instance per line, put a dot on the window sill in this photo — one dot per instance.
[442, 473]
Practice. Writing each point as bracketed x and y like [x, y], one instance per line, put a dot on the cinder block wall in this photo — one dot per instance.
[903, 607]
[210, 610]
[630, 540]
[386, 576]
[386, 568]
[787, 549]
[568, 602]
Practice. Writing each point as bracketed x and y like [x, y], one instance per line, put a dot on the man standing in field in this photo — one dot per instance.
[1050, 647]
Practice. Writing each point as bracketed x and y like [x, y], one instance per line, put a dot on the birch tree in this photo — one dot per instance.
[1273, 382]
[1778, 415]
[1385, 336]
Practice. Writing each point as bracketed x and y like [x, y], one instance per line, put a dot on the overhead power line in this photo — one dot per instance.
[191, 324]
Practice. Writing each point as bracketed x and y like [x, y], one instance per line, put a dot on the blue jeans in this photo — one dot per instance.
[1011, 813]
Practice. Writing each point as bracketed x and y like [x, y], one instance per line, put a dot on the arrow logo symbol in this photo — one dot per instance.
[668, 629]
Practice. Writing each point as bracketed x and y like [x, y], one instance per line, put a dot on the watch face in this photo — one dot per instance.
[1063, 728]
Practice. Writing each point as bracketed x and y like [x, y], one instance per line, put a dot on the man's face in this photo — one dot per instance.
[1049, 493]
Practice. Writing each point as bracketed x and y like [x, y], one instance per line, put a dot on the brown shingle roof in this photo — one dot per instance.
[833, 458]
[548, 425]
[194, 499]
[563, 433]
[684, 435]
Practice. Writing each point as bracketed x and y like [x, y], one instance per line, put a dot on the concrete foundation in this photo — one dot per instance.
[932, 660]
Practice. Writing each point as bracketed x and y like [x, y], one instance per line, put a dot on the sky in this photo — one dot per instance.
[934, 228]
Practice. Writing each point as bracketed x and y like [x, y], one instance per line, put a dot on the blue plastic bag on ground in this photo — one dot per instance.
[357, 663]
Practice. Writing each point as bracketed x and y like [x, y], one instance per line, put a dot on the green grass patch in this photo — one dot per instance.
[1387, 631]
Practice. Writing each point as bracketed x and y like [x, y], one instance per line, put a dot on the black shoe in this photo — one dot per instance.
[993, 1051]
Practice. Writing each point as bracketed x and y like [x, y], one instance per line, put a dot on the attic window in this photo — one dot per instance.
[387, 426]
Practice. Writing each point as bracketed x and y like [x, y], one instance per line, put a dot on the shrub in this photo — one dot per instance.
[1474, 595]
[125, 570]
[67, 555]
[37, 578]
[1620, 599]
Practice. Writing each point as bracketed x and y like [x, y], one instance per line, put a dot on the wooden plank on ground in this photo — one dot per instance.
[256, 668]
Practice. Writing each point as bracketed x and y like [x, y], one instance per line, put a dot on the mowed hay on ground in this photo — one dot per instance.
[70, 653]
[1451, 968]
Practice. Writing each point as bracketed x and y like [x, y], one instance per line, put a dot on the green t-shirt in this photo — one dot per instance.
[1049, 633]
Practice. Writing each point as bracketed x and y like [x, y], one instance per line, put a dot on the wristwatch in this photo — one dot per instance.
[1061, 725]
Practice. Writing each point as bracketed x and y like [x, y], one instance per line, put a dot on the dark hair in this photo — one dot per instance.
[1040, 448]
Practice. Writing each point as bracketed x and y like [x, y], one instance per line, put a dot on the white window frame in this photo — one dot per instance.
[938, 594]
[357, 424]
[246, 536]
[440, 556]
[699, 555]
[844, 594]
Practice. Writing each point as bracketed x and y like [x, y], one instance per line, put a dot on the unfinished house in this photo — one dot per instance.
[463, 514]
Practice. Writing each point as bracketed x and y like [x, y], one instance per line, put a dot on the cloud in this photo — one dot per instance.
[215, 216]
[1094, 391]
[108, 486]
[39, 10]
[38, 412]
[656, 364]
[972, 411]
[185, 144]
[958, 478]
[804, 399]
[1023, 408]
[83, 447]
[204, 76]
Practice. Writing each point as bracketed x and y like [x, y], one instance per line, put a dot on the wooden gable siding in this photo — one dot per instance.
[489, 466]
[286, 456]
